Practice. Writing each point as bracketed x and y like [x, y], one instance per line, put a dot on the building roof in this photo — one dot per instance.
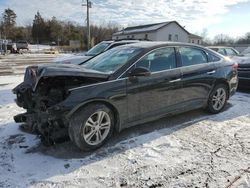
[150, 28]
[146, 28]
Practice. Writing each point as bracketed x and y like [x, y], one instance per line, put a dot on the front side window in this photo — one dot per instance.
[111, 60]
[158, 60]
[192, 56]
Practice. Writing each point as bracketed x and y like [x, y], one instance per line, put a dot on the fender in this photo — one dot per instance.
[99, 100]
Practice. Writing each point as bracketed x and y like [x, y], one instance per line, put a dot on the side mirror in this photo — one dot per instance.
[140, 71]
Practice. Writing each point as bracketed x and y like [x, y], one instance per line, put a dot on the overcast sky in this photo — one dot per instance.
[230, 17]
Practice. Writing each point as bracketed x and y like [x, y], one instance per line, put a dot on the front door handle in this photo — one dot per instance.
[176, 80]
[211, 72]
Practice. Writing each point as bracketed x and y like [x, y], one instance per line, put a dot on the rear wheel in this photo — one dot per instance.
[218, 99]
[91, 126]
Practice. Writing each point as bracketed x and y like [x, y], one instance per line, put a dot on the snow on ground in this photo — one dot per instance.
[16, 63]
[38, 47]
[194, 149]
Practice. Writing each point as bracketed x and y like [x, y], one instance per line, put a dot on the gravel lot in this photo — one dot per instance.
[193, 149]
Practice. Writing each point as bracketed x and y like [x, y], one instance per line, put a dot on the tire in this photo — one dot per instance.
[84, 129]
[218, 99]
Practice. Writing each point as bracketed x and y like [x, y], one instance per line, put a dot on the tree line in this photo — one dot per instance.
[46, 31]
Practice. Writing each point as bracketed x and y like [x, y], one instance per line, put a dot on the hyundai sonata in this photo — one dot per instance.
[123, 87]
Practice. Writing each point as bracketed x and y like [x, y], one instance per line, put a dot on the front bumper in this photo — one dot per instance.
[50, 123]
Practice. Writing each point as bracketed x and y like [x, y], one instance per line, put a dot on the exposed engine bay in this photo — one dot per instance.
[39, 92]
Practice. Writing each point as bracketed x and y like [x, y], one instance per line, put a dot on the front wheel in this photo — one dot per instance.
[217, 99]
[91, 126]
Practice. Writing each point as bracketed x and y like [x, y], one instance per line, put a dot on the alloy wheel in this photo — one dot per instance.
[97, 128]
[219, 99]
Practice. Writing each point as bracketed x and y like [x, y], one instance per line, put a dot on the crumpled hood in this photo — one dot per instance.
[47, 70]
[34, 73]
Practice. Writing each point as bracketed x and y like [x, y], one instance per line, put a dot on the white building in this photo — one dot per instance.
[166, 31]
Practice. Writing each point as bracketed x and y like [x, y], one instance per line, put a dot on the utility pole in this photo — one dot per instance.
[88, 5]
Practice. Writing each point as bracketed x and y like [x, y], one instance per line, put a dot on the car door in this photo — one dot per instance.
[198, 76]
[154, 95]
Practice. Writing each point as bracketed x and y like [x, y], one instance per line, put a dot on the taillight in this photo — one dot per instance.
[235, 66]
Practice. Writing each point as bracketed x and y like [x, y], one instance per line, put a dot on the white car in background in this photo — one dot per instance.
[233, 53]
[226, 51]
[243, 60]
[246, 52]
[96, 50]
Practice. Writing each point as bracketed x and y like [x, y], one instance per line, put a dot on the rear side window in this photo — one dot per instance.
[192, 56]
[213, 58]
[159, 60]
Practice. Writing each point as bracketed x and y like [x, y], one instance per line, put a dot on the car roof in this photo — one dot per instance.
[150, 44]
[120, 41]
[219, 47]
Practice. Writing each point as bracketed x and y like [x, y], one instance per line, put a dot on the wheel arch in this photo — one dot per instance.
[99, 101]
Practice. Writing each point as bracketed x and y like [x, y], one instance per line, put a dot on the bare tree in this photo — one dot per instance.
[223, 39]
[8, 22]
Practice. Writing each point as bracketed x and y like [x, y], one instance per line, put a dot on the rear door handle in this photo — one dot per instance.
[211, 72]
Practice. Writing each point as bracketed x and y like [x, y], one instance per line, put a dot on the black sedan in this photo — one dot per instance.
[123, 87]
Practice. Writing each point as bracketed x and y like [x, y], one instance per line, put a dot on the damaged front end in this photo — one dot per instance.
[40, 92]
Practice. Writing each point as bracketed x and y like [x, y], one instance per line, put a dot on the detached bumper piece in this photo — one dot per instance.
[28, 120]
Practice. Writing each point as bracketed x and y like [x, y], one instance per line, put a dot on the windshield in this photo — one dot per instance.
[97, 49]
[112, 60]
